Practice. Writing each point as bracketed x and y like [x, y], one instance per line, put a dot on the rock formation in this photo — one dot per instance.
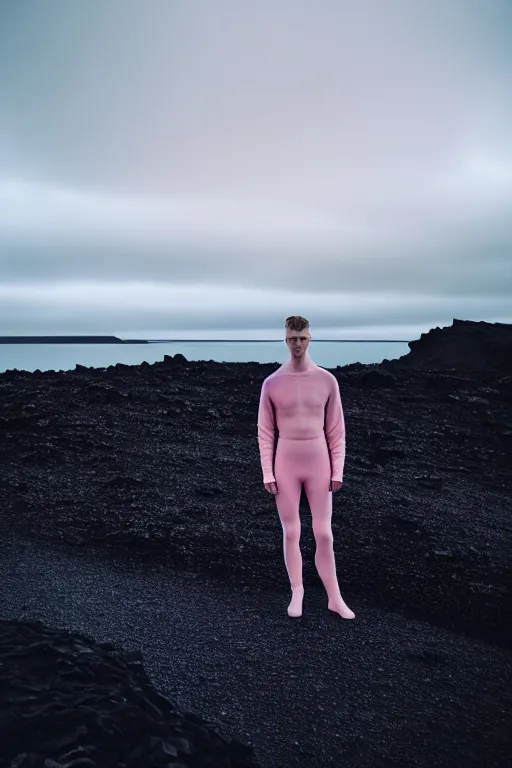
[465, 346]
[68, 701]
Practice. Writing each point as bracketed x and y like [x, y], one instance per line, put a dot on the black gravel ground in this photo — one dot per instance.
[379, 691]
[163, 460]
[132, 509]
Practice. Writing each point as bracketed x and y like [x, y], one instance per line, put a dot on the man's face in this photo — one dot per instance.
[297, 341]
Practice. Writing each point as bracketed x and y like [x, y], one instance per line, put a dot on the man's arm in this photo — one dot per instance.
[266, 434]
[335, 431]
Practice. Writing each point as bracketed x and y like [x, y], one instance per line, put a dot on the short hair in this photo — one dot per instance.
[296, 323]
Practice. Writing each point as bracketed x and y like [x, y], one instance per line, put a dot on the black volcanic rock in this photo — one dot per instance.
[67, 701]
[177, 359]
[465, 346]
[163, 459]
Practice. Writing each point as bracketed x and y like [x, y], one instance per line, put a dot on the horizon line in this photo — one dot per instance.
[265, 341]
[92, 339]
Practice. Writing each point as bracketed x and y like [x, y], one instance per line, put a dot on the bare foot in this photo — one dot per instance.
[295, 607]
[339, 606]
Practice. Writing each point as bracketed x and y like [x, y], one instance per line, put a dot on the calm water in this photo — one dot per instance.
[328, 354]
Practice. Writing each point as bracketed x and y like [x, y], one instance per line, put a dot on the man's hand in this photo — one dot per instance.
[272, 487]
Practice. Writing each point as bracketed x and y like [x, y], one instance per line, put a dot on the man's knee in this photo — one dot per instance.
[323, 535]
[291, 531]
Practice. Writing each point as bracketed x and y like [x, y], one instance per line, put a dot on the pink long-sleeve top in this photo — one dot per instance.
[301, 405]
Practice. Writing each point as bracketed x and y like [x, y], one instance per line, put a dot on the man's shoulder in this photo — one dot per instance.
[272, 376]
[327, 374]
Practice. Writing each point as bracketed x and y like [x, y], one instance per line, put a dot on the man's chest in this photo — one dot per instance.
[295, 395]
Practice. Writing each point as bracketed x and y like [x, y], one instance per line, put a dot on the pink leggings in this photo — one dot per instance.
[306, 462]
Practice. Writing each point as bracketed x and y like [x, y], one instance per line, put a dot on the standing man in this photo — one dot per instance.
[303, 402]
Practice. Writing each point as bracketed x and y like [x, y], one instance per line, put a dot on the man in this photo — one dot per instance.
[299, 399]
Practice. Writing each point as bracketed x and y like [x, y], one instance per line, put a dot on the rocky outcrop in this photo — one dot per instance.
[67, 701]
[465, 346]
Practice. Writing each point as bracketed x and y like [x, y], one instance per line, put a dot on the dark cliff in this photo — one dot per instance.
[465, 346]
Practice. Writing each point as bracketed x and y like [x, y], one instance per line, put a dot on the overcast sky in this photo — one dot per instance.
[189, 165]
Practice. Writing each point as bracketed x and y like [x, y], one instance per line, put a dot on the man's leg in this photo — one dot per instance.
[320, 501]
[287, 501]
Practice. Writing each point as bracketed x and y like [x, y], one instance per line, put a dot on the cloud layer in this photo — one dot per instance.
[197, 163]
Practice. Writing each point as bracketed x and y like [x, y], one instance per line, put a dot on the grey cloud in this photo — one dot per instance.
[310, 147]
[125, 307]
[445, 273]
[201, 96]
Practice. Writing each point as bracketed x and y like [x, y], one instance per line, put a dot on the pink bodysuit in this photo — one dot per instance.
[304, 407]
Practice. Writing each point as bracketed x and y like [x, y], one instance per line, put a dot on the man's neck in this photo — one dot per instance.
[300, 364]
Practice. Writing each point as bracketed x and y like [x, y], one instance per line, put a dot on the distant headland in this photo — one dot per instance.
[68, 340]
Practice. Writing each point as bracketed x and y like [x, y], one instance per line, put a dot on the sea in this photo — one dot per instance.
[64, 357]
